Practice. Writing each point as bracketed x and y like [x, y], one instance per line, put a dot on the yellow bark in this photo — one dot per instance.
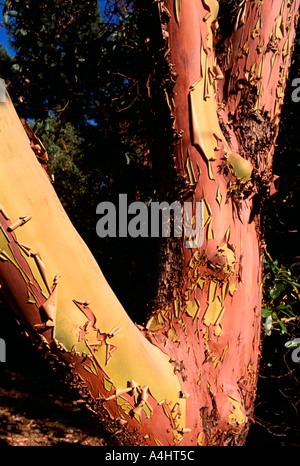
[26, 190]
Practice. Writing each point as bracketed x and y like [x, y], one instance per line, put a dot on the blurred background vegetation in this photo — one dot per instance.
[78, 72]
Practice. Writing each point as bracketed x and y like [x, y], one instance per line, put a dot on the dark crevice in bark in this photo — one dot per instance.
[162, 140]
[169, 270]
[228, 12]
[255, 134]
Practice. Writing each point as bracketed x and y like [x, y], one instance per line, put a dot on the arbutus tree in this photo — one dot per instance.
[188, 376]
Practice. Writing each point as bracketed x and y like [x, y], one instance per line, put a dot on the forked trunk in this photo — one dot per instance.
[189, 377]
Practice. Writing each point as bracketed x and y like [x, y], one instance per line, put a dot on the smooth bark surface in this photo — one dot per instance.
[189, 377]
[225, 154]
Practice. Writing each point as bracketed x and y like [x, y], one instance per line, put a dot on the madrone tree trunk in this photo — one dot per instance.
[188, 377]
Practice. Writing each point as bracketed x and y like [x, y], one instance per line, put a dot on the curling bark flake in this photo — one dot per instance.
[227, 109]
[189, 376]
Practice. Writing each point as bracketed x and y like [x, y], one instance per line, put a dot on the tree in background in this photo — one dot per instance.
[99, 69]
[222, 151]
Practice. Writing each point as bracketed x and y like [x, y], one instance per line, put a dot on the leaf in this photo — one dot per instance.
[276, 290]
[128, 158]
[283, 327]
[268, 324]
[12, 13]
[290, 282]
[292, 343]
[266, 312]
[285, 309]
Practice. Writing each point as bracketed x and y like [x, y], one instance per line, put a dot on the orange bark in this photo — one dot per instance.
[214, 337]
[203, 343]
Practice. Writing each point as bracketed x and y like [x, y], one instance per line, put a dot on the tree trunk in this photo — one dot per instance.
[189, 376]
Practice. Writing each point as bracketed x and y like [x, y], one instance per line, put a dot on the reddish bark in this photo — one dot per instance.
[210, 328]
[214, 337]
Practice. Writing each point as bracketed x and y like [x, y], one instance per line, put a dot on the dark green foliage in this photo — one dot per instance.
[281, 296]
[82, 79]
[79, 77]
[277, 407]
[281, 217]
[5, 63]
[55, 60]
[282, 266]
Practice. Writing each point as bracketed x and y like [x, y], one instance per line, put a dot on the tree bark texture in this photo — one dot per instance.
[226, 109]
[188, 377]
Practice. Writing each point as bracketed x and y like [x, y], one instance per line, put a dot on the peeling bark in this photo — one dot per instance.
[226, 109]
[189, 376]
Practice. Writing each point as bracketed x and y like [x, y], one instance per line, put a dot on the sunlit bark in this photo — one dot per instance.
[189, 377]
